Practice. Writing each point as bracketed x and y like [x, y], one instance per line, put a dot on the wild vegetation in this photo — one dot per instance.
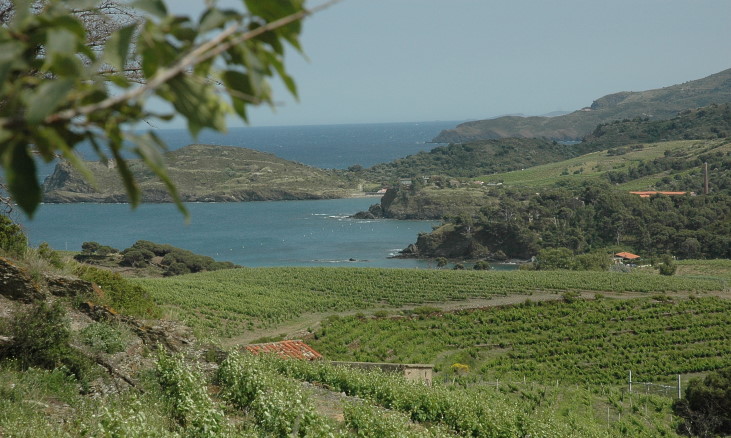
[149, 259]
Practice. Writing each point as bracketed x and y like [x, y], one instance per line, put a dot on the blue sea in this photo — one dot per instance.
[282, 233]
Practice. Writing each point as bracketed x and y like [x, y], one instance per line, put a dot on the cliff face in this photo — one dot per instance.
[658, 104]
[202, 173]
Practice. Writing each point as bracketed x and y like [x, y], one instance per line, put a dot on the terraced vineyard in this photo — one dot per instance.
[595, 341]
[224, 303]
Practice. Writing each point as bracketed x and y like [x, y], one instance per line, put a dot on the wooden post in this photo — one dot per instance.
[630, 381]
[680, 394]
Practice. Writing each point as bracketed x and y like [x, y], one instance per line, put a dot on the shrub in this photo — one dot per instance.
[12, 238]
[89, 247]
[41, 338]
[104, 337]
[482, 266]
[48, 254]
[120, 293]
[667, 266]
[706, 408]
[138, 258]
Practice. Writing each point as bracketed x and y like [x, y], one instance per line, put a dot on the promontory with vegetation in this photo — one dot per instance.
[662, 103]
[202, 173]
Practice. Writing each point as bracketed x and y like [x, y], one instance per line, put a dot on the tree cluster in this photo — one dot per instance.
[521, 224]
[174, 261]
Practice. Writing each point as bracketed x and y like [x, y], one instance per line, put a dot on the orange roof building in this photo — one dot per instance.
[627, 255]
[294, 349]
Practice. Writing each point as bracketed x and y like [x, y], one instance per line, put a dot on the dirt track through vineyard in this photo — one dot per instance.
[309, 322]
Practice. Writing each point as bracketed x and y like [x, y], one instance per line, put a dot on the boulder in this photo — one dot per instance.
[16, 283]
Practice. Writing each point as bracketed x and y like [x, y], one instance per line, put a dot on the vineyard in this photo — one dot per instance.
[594, 341]
[223, 303]
[267, 396]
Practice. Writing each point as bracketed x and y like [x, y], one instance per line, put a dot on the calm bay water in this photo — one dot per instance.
[281, 233]
[285, 233]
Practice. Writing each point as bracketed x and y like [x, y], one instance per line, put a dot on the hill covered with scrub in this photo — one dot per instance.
[657, 104]
[202, 173]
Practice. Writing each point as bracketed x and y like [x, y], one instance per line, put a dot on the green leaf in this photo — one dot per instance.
[197, 102]
[238, 81]
[154, 7]
[47, 98]
[54, 140]
[215, 18]
[148, 148]
[130, 185]
[67, 64]
[61, 41]
[118, 45]
[20, 172]
[274, 10]
[10, 52]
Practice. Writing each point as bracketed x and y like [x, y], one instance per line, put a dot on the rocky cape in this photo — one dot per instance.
[202, 173]
[429, 203]
[657, 104]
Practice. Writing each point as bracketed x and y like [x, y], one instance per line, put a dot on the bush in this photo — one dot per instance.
[706, 408]
[48, 254]
[482, 266]
[104, 337]
[555, 258]
[667, 266]
[119, 293]
[41, 338]
[138, 258]
[12, 238]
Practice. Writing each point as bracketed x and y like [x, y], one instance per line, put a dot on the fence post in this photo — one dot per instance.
[630, 381]
[680, 394]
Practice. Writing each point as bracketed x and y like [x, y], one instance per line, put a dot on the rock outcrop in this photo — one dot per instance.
[16, 283]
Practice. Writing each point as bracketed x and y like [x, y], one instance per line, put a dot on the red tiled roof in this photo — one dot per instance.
[627, 255]
[294, 349]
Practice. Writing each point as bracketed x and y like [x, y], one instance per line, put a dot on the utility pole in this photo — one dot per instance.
[705, 178]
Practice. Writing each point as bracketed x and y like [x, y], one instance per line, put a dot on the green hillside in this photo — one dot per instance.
[473, 159]
[662, 103]
[598, 165]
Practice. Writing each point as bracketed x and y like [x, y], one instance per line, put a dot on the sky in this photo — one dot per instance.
[379, 61]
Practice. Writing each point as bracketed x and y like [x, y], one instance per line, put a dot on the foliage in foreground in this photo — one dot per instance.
[706, 408]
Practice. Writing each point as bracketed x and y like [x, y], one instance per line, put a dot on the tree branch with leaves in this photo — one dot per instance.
[64, 81]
